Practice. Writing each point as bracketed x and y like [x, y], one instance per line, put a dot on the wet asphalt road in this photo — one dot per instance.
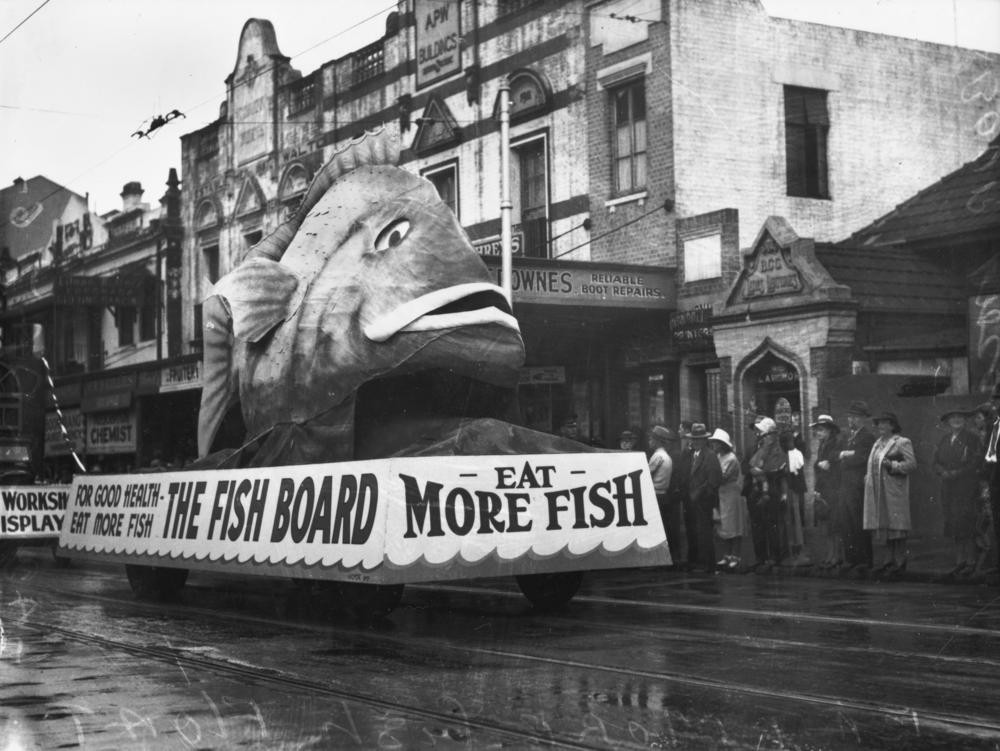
[640, 659]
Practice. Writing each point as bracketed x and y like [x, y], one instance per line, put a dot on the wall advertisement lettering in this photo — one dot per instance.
[439, 35]
[386, 520]
[32, 511]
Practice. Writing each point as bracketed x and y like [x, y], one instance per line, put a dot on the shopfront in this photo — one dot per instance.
[577, 320]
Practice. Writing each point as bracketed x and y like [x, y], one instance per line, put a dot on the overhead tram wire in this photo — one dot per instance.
[131, 143]
[611, 231]
[24, 21]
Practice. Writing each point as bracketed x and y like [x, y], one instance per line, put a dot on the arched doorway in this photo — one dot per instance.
[770, 381]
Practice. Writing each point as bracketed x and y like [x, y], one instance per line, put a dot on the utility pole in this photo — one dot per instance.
[506, 207]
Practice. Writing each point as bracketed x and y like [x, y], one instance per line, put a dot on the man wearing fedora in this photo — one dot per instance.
[992, 466]
[956, 462]
[703, 492]
[853, 466]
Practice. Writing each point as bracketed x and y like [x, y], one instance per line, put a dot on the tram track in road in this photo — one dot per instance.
[280, 679]
[962, 724]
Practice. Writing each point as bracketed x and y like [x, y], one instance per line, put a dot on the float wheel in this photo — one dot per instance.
[155, 582]
[549, 591]
[369, 602]
[61, 560]
[8, 553]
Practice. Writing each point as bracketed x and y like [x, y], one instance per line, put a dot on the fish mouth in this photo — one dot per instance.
[469, 304]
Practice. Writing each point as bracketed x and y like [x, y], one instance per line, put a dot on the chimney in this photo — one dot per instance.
[131, 196]
[20, 184]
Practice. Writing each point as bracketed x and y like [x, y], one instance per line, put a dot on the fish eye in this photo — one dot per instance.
[392, 235]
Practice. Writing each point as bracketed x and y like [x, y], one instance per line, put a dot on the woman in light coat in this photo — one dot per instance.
[732, 506]
[887, 491]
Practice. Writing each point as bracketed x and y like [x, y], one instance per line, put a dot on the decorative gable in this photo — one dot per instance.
[781, 269]
[251, 200]
[437, 128]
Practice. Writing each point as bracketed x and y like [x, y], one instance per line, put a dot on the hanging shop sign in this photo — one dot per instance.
[111, 432]
[75, 424]
[778, 374]
[691, 329]
[491, 246]
[102, 291]
[439, 36]
[549, 283]
[32, 511]
[181, 377]
[541, 375]
[382, 521]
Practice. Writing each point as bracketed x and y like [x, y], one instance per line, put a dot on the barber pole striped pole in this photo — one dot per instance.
[59, 415]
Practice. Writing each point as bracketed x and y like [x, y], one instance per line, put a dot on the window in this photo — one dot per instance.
[211, 258]
[629, 137]
[302, 96]
[445, 179]
[703, 258]
[125, 320]
[147, 313]
[252, 238]
[531, 209]
[367, 63]
[505, 7]
[806, 127]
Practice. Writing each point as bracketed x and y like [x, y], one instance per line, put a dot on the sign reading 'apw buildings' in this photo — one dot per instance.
[32, 511]
[383, 521]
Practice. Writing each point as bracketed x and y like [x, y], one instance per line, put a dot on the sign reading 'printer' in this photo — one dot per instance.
[575, 285]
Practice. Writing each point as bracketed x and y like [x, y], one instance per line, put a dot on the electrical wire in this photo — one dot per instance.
[24, 21]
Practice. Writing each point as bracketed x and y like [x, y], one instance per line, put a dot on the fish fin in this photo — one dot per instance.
[219, 388]
[259, 294]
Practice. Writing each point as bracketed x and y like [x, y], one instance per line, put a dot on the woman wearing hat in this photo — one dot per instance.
[957, 461]
[887, 491]
[732, 507]
[768, 494]
[826, 489]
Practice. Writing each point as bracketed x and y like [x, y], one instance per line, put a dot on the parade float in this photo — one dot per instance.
[358, 422]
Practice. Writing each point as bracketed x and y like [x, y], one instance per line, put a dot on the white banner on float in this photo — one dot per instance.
[429, 517]
[32, 511]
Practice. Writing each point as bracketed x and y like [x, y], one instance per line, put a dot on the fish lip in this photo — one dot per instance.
[413, 315]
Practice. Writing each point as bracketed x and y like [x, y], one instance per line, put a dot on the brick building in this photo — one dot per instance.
[104, 292]
[651, 141]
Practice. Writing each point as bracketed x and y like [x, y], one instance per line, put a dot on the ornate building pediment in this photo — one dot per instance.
[437, 128]
[780, 270]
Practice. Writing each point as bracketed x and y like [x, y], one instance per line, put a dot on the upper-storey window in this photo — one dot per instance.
[367, 63]
[512, 6]
[806, 126]
[445, 180]
[629, 136]
[302, 95]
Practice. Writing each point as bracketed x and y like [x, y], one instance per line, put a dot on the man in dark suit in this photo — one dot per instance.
[853, 468]
[991, 467]
[703, 491]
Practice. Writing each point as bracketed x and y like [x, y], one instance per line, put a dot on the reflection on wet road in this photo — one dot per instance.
[641, 659]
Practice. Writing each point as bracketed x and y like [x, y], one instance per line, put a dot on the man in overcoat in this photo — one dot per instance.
[703, 489]
[957, 460]
[853, 466]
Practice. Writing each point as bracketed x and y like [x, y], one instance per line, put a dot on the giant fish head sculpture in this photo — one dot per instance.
[372, 285]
